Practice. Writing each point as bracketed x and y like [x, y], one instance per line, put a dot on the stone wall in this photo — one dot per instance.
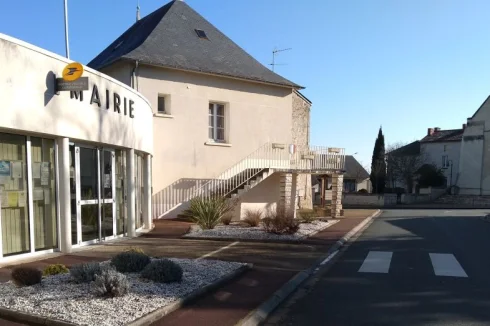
[301, 137]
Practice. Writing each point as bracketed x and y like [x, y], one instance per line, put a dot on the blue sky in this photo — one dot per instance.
[406, 64]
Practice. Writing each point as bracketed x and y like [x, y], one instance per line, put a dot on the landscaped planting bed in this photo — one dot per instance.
[59, 297]
[239, 231]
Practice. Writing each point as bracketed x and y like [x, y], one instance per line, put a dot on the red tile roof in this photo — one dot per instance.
[444, 135]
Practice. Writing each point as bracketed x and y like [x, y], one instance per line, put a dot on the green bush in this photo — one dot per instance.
[85, 273]
[253, 217]
[207, 212]
[26, 276]
[163, 271]
[55, 269]
[110, 283]
[130, 262]
[362, 191]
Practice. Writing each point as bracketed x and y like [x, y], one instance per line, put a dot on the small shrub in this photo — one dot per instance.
[362, 191]
[110, 283]
[163, 271]
[280, 223]
[253, 217]
[308, 217]
[136, 249]
[55, 269]
[130, 262]
[207, 212]
[85, 273]
[26, 276]
[226, 220]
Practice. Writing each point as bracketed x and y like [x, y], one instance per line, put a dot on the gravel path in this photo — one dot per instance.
[58, 297]
[258, 233]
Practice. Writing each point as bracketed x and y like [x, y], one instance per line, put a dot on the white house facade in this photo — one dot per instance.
[222, 122]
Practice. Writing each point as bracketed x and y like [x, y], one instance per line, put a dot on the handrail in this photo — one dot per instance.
[273, 156]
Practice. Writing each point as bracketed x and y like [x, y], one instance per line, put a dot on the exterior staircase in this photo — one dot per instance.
[262, 163]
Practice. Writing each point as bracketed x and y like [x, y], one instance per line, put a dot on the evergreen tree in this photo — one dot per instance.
[378, 165]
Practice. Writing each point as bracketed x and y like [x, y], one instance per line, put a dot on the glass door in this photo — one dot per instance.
[107, 186]
[95, 195]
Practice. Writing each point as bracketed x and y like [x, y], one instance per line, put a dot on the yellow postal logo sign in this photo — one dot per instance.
[72, 72]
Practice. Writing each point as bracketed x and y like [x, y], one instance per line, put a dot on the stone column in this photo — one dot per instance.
[64, 194]
[131, 193]
[337, 187]
[147, 192]
[304, 184]
[288, 185]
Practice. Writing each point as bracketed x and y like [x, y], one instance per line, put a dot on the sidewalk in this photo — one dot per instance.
[274, 264]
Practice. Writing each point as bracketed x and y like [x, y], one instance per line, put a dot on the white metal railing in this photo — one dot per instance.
[277, 157]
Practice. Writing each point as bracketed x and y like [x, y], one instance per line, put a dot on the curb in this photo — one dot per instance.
[295, 241]
[261, 313]
[159, 313]
[23, 317]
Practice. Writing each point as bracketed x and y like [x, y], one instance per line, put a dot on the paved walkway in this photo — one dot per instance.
[274, 264]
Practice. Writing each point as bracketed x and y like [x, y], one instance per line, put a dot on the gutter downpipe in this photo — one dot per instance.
[134, 76]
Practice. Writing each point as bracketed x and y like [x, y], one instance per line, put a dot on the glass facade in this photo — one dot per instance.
[29, 220]
[44, 193]
[13, 192]
[138, 182]
[120, 192]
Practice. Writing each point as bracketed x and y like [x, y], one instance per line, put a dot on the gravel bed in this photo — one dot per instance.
[258, 233]
[58, 297]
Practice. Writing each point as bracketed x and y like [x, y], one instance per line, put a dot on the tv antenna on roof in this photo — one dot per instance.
[138, 11]
[274, 52]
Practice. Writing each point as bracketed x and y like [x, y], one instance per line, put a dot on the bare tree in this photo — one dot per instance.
[403, 161]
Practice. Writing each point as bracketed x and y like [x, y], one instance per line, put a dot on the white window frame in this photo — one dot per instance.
[166, 104]
[215, 122]
[445, 161]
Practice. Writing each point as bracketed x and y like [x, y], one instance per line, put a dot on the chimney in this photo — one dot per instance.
[430, 131]
[436, 129]
[464, 126]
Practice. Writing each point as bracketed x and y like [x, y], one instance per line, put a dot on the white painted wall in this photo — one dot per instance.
[29, 104]
[434, 151]
[471, 160]
[255, 114]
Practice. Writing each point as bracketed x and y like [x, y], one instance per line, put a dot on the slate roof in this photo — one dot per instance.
[167, 37]
[353, 169]
[410, 149]
[444, 136]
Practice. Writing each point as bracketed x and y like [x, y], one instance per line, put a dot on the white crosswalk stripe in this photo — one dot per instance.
[442, 264]
[446, 265]
[377, 262]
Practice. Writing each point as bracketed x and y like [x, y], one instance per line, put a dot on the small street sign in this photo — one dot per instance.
[81, 84]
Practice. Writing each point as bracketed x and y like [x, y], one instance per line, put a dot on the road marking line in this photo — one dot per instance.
[326, 260]
[446, 265]
[376, 262]
[218, 250]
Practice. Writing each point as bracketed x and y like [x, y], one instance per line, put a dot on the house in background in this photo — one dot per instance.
[355, 177]
[222, 122]
[440, 148]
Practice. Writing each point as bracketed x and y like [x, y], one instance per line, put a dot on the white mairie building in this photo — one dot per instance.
[173, 110]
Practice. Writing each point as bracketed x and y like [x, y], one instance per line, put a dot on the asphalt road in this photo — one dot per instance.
[409, 267]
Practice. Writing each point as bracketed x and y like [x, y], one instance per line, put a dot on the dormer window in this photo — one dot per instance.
[201, 34]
